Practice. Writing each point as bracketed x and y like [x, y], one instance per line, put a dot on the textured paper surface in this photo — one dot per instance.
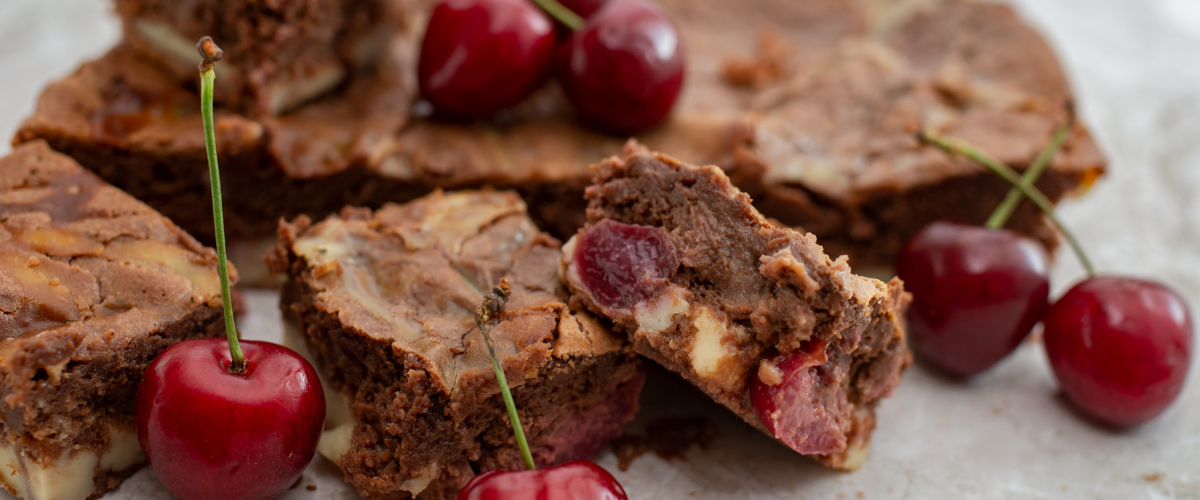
[1004, 435]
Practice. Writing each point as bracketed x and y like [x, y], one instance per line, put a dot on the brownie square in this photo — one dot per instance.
[93, 285]
[277, 54]
[678, 260]
[384, 301]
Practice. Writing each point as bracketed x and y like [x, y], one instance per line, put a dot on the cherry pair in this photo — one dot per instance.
[622, 68]
[1120, 347]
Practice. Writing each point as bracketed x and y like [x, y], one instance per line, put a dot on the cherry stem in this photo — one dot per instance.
[559, 12]
[210, 54]
[493, 303]
[1013, 198]
[958, 146]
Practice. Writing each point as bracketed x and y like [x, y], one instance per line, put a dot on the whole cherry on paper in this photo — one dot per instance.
[1120, 347]
[977, 293]
[479, 56]
[623, 69]
[212, 434]
[577, 480]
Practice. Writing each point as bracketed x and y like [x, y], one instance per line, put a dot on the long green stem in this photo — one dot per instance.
[508, 400]
[493, 304]
[207, 81]
[958, 146]
[1013, 198]
[564, 15]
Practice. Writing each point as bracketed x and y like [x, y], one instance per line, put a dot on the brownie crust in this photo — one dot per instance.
[385, 302]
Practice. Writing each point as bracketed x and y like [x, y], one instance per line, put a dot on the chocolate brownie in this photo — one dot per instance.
[811, 107]
[385, 303]
[753, 313]
[279, 54]
[93, 285]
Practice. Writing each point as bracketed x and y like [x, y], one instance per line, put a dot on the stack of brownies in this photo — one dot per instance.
[389, 224]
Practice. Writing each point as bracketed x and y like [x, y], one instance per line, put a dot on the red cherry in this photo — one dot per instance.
[1120, 348]
[624, 264]
[570, 481]
[209, 434]
[624, 68]
[789, 398]
[977, 292]
[479, 56]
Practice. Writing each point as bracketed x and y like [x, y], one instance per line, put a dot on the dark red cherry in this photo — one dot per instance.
[570, 481]
[977, 292]
[624, 264]
[624, 68]
[1120, 347]
[479, 56]
[791, 396]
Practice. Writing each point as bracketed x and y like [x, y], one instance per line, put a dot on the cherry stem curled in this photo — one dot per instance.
[1031, 175]
[493, 303]
[559, 12]
[958, 146]
[210, 54]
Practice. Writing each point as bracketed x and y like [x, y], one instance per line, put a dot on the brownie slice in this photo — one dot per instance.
[278, 54]
[811, 107]
[753, 313]
[385, 303]
[93, 285]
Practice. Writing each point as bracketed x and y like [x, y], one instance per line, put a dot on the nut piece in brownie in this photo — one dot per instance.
[385, 302]
[278, 54]
[753, 313]
[93, 285]
[810, 106]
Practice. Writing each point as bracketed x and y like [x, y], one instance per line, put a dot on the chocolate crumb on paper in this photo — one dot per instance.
[669, 438]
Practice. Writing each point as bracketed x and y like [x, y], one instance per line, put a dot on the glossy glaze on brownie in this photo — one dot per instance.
[730, 291]
[385, 303]
[277, 54]
[93, 285]
[811, 107]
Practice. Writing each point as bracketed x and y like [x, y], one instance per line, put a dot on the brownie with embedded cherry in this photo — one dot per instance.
[93, 285]
[384, 303]
[753, 313]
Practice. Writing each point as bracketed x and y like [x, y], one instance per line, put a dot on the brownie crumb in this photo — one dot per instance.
[1149, 478]
[311, 487]
[669, 438]
[764, 68]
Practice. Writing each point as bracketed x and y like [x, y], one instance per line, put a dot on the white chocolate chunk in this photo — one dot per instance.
[335, 442]
[708, 350]
[658, 315]
[418, 483]
[286, 95]
[167, 40]
[72, 476]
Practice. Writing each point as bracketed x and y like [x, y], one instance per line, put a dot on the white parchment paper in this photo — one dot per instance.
[1135, 66]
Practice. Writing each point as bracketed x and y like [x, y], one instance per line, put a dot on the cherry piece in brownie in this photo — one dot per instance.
[753, 313]
[385, 301]
[93, 285]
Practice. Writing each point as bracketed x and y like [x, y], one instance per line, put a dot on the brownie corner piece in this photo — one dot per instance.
[754, 314]
[93, 285]
[277, 54]
[384, 301]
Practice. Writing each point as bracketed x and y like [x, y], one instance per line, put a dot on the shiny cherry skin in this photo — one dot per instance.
[623, 70]
[209, 434]
[578, 480]
[1120, 348]
[479, 56]
[977, 293]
